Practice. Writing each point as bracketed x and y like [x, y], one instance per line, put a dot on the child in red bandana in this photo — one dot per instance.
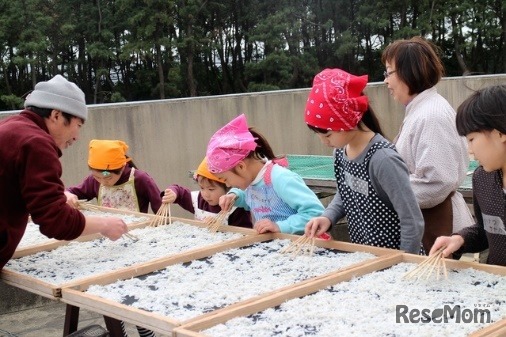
[373, 188]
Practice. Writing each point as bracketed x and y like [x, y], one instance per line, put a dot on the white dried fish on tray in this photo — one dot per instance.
[367, 306]
[33, 236]
[186, 290]
[77, 260]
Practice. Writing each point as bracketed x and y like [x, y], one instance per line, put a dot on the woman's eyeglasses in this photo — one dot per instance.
[388, 73]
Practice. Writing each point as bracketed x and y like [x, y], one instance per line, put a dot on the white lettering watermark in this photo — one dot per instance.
[446, 314]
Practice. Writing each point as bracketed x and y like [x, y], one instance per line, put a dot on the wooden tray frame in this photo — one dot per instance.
[75, 295]
[51, 244]
[52, 291]
[192, 328]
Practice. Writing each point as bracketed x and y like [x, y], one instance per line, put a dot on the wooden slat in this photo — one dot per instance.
[162, 262]
[117, 211]
[498, 329]
[120, 311]
[30, 284]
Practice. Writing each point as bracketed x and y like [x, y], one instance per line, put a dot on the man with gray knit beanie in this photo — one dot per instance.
[30, 170]
[59, 94]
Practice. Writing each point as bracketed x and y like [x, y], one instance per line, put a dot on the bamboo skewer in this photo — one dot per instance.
[214, 223]
[435, 261]
[160, 217]
[83, 204]
[131, 237]
[128, 236]
[304, 245]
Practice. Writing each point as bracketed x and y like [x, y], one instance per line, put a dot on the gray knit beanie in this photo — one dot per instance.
[59, 94]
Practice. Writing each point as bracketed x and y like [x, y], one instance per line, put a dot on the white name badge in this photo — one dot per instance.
[493, 224]
[356, 184]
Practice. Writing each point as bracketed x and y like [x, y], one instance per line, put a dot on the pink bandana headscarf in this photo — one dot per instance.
[229, 145]
[335, 102]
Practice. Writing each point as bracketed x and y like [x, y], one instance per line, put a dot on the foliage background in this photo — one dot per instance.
[129, 50]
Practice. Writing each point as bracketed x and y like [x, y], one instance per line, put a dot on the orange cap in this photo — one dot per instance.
[107, 154]
[203, 171]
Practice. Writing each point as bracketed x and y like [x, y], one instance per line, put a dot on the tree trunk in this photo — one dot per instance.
[190, 50]
[161, 78]
[456, 43]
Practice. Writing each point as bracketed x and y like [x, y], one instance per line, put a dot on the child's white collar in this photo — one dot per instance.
[261, 173]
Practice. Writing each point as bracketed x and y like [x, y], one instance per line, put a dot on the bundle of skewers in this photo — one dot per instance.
[434, 264]
[214, 223]
[161, 216]
[303, 245]
[83, 204]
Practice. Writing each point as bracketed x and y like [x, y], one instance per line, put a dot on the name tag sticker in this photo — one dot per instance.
[356, 184]
[493, 224]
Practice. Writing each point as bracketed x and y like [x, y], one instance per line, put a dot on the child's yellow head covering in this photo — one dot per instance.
[107, 154]
[203, 171]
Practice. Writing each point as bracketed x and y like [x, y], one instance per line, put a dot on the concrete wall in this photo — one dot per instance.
[168, 138]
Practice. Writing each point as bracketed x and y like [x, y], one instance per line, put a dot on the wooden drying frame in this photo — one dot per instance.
[52, 291]
[192, 328]
[76, 296]
[51, 244]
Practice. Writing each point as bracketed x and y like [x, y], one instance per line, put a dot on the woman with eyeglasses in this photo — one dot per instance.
[428, 141]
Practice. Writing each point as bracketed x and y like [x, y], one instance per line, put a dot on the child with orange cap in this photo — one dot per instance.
[204, 203]
[115, 181]
[373, 188]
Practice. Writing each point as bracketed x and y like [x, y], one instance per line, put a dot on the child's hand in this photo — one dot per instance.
[227, 201]
[266, 226]
[452, 243]
[169, 196]
[72, 199]
[317, 226]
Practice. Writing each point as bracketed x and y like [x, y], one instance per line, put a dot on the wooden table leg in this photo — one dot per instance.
[71, 319]
[114, 326]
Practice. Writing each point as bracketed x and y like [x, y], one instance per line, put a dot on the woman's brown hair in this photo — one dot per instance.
[416, 62]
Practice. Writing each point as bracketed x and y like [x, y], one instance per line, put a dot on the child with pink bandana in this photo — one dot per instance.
[277, 198]
[373, 188]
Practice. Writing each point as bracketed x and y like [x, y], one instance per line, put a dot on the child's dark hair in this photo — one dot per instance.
[263, 149]
[484, 110]
[369, 119]
[212, 182]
